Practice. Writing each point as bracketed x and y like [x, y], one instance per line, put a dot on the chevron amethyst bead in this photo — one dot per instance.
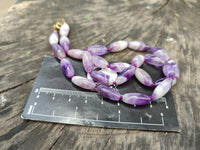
[136, 99]
[99, 62]
[138, 60]
[75, 53]
[53, 38]
[119, 66]
[169, 70]
[97, 49]
[83, 82]
[125, 75]
[138, 46]
[117, 46]
[162, 89]
[144, 77]
[109, 93]
[64, 30]
[154, 60]
[67, 68]
[162, 54]
[64, 43]
[58, 51]
[87, 62]
[102, 78]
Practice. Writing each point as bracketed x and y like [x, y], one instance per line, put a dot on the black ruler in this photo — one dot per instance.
[55, 99]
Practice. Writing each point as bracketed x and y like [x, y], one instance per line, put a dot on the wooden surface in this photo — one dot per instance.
[172, 25]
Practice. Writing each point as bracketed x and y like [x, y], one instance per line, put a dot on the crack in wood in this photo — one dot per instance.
[108, 139]
[160, 8]
[18, 85]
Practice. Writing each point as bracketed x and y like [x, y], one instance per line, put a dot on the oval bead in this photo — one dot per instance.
[143, 77]
[97, 49]
[154, 49]
[76, 53]
[83, 82]
[138, 60]
[87, 62]
[169, 70]
[136, 99]
[58, 51]
[67, 68]
[138, 46]
[154, 60]
[53, 38]
[64, 30]
[162, 89]
[102, 78]
[125, 75]
[119, 66]
[108, 92]
[162, 54]
[117, 46]
[110, 72]
[177, 71]
[99, 62]
[64, 43]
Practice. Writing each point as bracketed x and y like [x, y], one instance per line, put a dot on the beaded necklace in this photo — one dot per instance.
[114, 73]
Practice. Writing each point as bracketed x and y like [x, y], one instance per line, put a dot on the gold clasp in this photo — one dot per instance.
[58, 25]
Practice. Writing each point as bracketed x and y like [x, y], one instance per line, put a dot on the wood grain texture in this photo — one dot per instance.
[172, 24]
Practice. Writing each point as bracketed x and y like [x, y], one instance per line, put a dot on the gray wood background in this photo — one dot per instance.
[172, 25]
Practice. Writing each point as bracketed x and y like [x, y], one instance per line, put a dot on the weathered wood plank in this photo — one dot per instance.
[173, 25]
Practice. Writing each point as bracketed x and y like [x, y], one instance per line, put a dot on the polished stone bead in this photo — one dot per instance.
[117, 46]
[162, 54]
[138, 60]
[64, 30]
[143, 77]
[97, 49]
[169, 70]
[67, 68]
[136, 99]
[154, 49]
[58, 51]
[65, 43]
[138, 46]
[102, 78]
[154, 60]
[87, 62]
[76, 53]
[177, 71]
[125, 75]
[119, 66]
[99, 62]
[83, 82]
[108, 92]
[53, 38]
[162, 89]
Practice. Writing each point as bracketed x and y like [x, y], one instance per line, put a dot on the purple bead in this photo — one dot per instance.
[102, 78]
[117, 46]
[83, 82]
[138, 60]
[76, 53]
[97, 49]
[58, 51]
[169, 70]
[154, 60]
[53, 38]
[99, 62]
[125, 75]
[138, 46]
[154, 49]
[108, 92]
[162, 54]
[162, 89]
[136, 99]
[64, 43]
[64, 30]
[177, 71]
[119, 66]
[143, 77]
[67, 68]
[87, 62]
